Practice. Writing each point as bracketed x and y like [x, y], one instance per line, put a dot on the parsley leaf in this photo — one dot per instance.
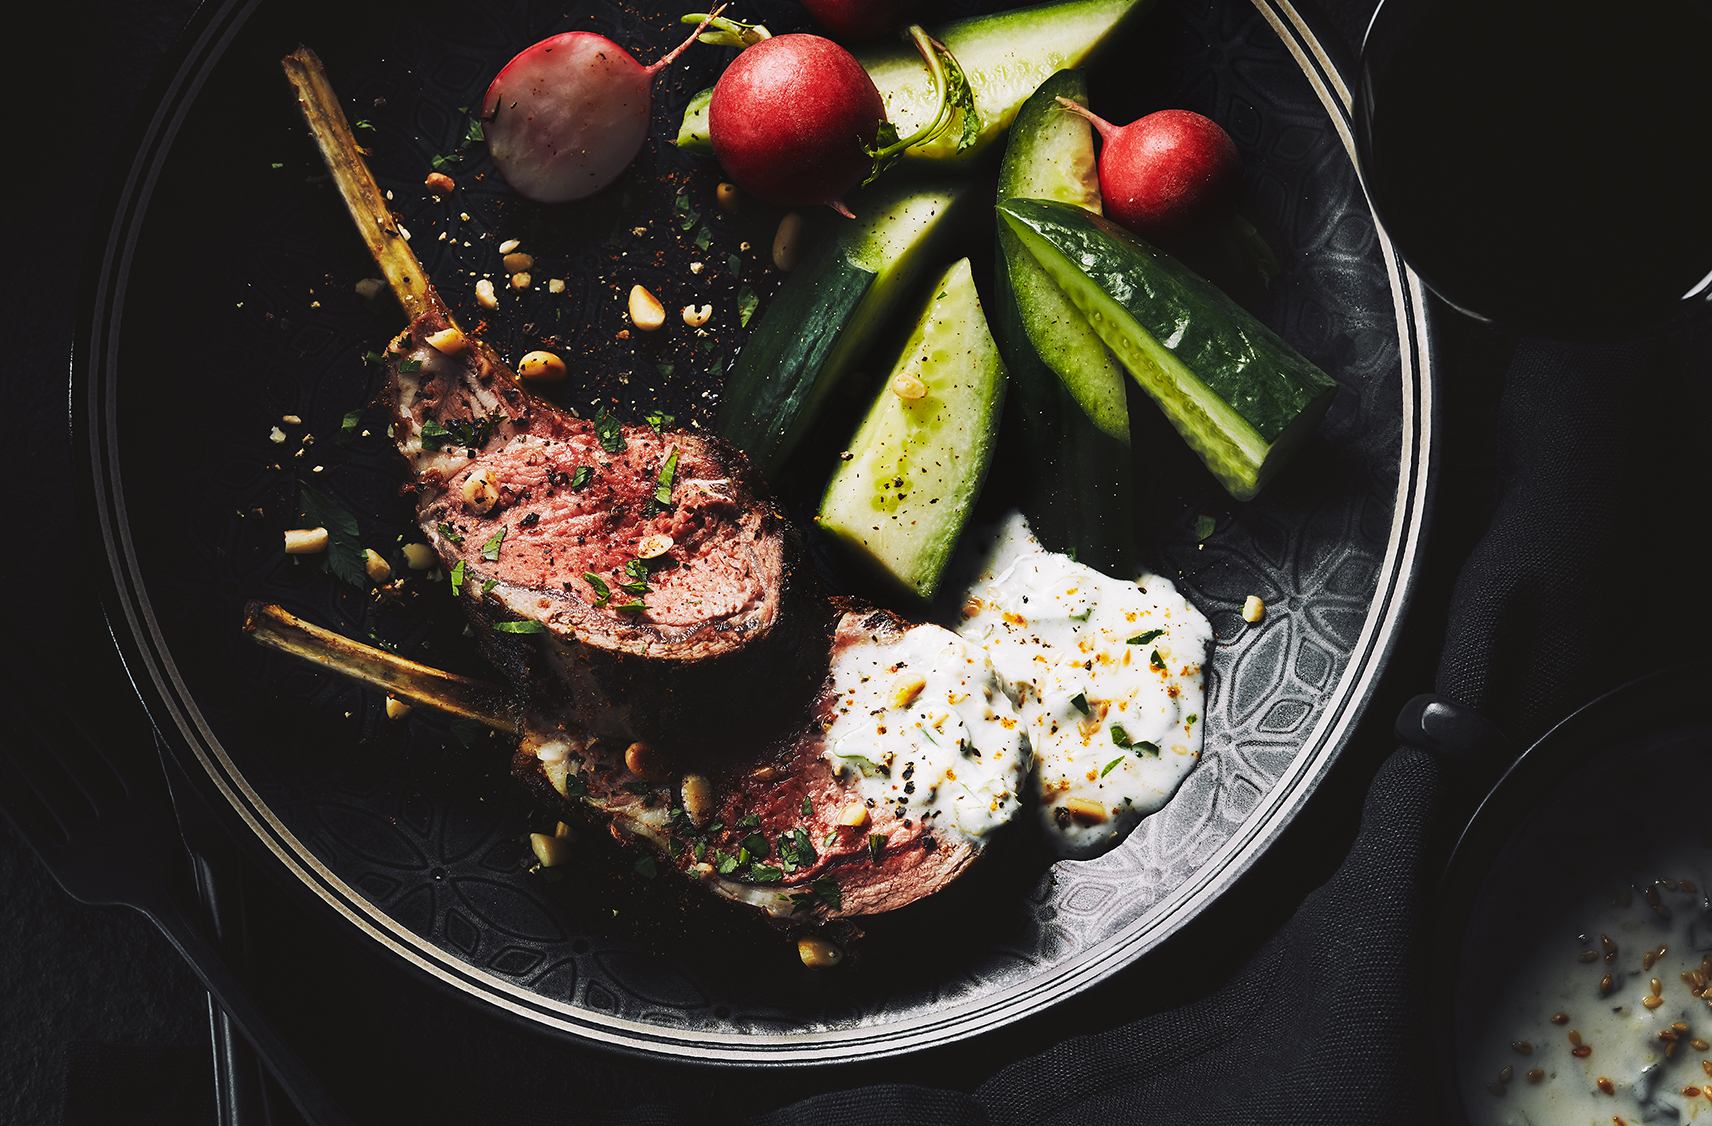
[520, 627]
[348, 427]
[1144, 638]
[433, 435]
[766, 874]
[602, 592]
[1107, 769]
[458, 579]
[487, 584]
[1120, 737]
[876, 842]
[581, 476]
[746, 302]
[827, 888]
[609, 430]
[1157, 661]
[1204, 526]
[451, 534]
[646, 868]
[344, 555]
[658, 420]
[1143, 747]
[668, 471]
[409, 367]
[490, 549]
[1080, 701]
[629, 607]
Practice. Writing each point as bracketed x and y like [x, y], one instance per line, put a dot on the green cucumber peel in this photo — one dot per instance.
[1050, 155]
[1240, 396]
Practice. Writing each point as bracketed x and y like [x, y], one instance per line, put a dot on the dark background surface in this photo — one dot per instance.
[74, 979]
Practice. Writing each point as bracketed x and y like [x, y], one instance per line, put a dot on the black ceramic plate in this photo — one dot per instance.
[1611, 772]
[221, 302]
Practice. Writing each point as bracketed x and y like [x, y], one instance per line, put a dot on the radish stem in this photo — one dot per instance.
[952, 87]
[727, 33]
[684, 46]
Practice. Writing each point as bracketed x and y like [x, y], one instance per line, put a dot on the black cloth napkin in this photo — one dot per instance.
[1566, 518]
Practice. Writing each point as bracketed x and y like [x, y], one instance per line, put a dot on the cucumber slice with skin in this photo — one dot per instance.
[1005, 56]
[1239, 395]
[1077, 492]
[916, 466]
[828, 310]
[1051, 156]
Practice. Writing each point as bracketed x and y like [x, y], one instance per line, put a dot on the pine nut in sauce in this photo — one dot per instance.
[1506, 1075]
[1536, 1075]
[1560, 1018]
[1648, 959]
[1523, 1047]
[1652, 1002]
[1691, 1092]
[1698, 1044]
[1574, 1038]
[1604, 985]
[1589, 956]
[1607, 1086]
[1657, 987]
[1582, 1052]
[1605, 941]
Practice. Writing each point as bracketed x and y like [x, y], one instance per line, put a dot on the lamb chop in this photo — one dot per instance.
[674, 668]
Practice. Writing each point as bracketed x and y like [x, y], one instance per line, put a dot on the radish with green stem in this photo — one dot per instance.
[796, 121]
[1169, 177]
[567, 116]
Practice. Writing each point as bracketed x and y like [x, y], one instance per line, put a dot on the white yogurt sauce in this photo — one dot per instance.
[1106, 675]
[1541, 953]
[923, 728]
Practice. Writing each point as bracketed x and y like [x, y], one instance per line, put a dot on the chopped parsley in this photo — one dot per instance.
[876, 843]
[490, 549]
[746, 303]
[630, 607]
[1157, 661]
[757, 845]
[1120, 737]
[487, 584]
[1080, 701]
[827, 888]
[807, 808]
[658, 420]
[609, 431]
[581, 476]
[723, 863]
[1107, 769]
[1204, 526]
[796, 850]
[1143, 747]
[668, 471]
[1144, 638]
[348, 427]
[458, 579]
[520, 627]
[433, 435]
[646, 868]
[409, 367]
[451, 534]
[766, 874]
[344, 554]
[602, 593]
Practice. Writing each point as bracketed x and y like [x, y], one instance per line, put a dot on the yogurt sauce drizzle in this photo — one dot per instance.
[924, 727]
[1106, 675]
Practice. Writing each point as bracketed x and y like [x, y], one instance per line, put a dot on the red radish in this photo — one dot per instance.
[791, 120]
[565, 117]
[860, 19]
[1168, 176]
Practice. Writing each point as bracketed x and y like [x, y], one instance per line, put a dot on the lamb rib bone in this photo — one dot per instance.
[277, 628]
[363, 198]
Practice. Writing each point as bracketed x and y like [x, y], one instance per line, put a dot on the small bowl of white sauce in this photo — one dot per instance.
[1578, 908]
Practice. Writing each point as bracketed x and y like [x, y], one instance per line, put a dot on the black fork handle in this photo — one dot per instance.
[300, 1084]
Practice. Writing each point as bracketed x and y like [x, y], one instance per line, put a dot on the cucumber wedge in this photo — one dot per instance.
[1077, 491]
[1005, 56]
[1051, 156]
[1241, 397]
[829, 310]
[900, 502]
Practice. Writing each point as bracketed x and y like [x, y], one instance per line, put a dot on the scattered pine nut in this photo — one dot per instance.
[726, 196]
[484, 294]
[541, 367]
[818, 953]
[854, 815]
[521, 280]
[696, 316]
[480, 493]
[509, 245]
[654, 546]
[646, 312]
[1085, 810]
[448, 341]
[518, 262]
[555, 285]
[551, 851]
[396, 708]
[906, 688]
[908, 386]
[439, 183]
[305, 541]
[379, 570]
[419, 556]
[787, 243]
[1253, 609]
[697, 795]
[370, 288]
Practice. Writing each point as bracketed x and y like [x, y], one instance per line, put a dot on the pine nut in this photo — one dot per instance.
[439, 183]
[370, 288]
[521, 280]
[1253, 609]
[654, 546]
[378, 568]
[419, 556]
[480, 493]
[646, 312]
[818, 953]
[485, 296]
[787, 242]
[697, 795]
[509, 245]
[1082, 809]
[908, 386]
[396, 708]
[550, 850]
[727, 198]
[518, 262]
[906, 688]
[696, 315]
[305, 541]
[646, 763]
[541, 367]
[448, 341]
[854, 815]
